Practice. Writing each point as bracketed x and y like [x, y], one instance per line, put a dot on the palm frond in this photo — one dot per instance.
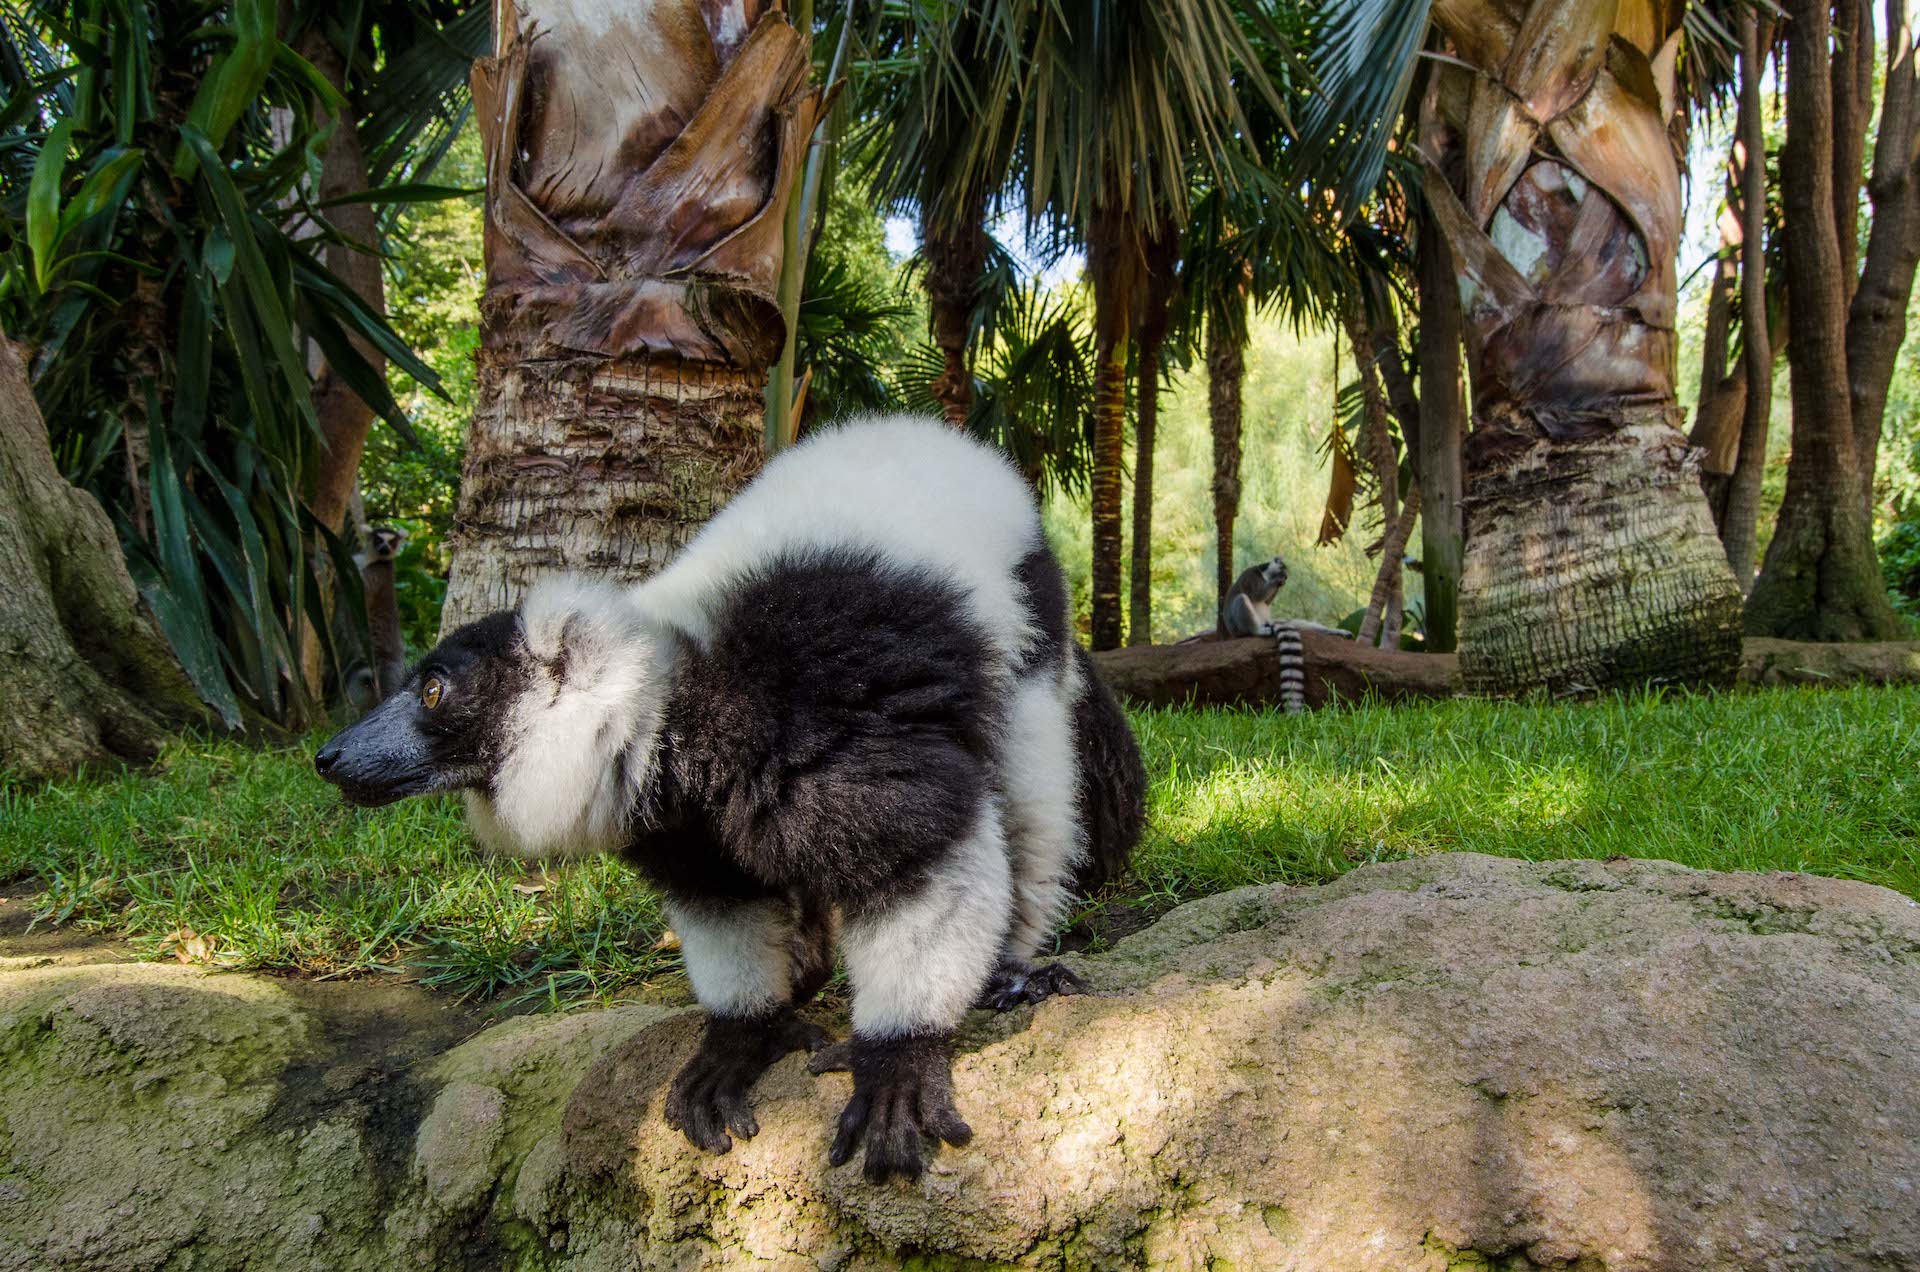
[1364, 55]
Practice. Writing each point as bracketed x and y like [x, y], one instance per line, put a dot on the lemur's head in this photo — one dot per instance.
[1275, 573]
[544, 716]
[385, 542]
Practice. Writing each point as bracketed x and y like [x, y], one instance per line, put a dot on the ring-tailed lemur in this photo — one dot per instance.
[1248, 611]
[372, 681]
[383, 605]
[851, 712]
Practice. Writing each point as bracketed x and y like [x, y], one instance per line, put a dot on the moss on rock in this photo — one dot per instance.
[1457, 1062]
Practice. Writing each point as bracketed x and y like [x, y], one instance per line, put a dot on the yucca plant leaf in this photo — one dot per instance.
[43, 198]
[262, 293]
[232, 83]
[178, 593]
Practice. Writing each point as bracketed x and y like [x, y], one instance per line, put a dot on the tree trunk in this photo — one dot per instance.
[84, 675]
[1591, 560]
[956, 255]
[1877, 317]
[1722, 403]
[1114, 260]
[631, 308]
[1160, 286]
[1226, 376]
[1820, 580]
[1443, 425]
[1740, 521]
[344, 418]
[1851, 82]
[1393, 545]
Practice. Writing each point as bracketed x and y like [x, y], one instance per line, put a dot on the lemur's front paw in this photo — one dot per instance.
[902, 1094]
[1016, 981]
[709, 1094]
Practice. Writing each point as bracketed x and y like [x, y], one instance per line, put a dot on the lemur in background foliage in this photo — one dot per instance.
[371, 682]
[850, 713]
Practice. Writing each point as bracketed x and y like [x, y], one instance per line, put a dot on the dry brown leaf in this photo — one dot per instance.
[669, 940]
[1341, 481]
[190, 946]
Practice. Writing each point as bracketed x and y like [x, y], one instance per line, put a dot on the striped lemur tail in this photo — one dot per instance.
[1113, 781]
[1293, 666]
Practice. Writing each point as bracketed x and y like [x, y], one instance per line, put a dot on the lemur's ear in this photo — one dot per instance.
[574, 626]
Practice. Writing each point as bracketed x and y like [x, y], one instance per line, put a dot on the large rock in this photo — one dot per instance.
[1458, 1062]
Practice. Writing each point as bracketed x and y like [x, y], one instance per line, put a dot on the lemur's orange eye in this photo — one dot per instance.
[430, 692]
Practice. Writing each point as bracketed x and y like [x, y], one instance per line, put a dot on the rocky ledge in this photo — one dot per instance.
[1455, 1062]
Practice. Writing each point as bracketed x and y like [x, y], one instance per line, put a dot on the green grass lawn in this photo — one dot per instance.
[250, 853]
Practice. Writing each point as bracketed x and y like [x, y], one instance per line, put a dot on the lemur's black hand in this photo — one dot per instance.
[709, 1095]
[902, 1093]
[1016, 981]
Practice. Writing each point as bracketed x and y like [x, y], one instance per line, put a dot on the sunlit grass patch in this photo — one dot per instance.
[243, 858]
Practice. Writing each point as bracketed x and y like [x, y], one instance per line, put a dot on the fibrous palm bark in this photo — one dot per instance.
[639, 162]
[1443, 428]
[1156, 311]
[1113, 260]
[1591, 559]
[956, 253]
[1226, 377]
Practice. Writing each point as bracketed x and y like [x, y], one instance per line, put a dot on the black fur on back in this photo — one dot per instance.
[1113, 781]
[834, 738]
[1043, 592]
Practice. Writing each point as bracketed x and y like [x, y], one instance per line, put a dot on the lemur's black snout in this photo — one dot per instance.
[379, 759]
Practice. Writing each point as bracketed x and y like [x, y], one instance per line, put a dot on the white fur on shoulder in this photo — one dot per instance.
[915, 491]
[598, 686]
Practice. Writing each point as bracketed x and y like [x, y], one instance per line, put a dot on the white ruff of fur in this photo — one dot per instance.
[599, 685]
[914, 492]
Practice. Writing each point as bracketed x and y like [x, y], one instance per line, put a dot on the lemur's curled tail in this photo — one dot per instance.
[1293, 666]
[1113, 781]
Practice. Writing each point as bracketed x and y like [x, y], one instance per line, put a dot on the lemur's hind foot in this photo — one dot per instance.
[902, 1096]
[1016, 982]
[709, 1095]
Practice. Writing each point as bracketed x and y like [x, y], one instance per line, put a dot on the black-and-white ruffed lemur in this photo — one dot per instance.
[851, 713]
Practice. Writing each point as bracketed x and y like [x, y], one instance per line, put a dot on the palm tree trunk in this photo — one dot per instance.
[1443, 426]
[1590, 559]
[956, 255]
[1113, 259]
[1740, 521]
[1820, 580]
[631, 312]
[1226, 376]
[1146, 419]
[1162, 256]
